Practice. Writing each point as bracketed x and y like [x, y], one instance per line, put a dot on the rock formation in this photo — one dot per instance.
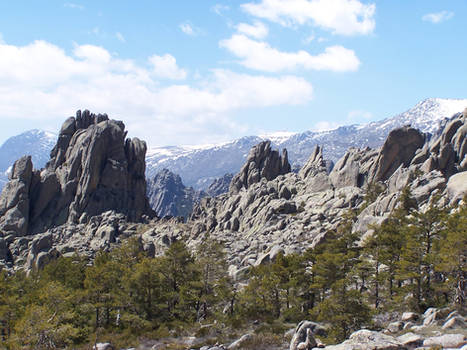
[262, 162]
[92, 169]
[290, 212]
[168, 196]
[268, 209]
[219, 186]
[303, 338]
[399, 149]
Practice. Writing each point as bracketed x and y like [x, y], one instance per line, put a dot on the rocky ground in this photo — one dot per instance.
[435, 329]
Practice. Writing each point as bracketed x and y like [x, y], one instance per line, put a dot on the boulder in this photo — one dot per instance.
[411, 340]
[446, 341]
[303, 337]
[457, 186]
[14, 199]
[103, 346]
[398, 149]
[455, 322]
[410, 316]
[368, 340]
[395, 327]
[432, 319]
[240, 342]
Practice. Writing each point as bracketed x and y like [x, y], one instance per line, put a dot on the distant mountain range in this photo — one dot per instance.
[36, 143]
[199, 166]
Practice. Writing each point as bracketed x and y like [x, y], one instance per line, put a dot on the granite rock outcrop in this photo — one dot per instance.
[93, 169]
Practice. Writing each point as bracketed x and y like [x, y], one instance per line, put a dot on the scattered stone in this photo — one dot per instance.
[446, 341]
[410, 340]
[454, 322]
[395, 327]
[368, 340]
[239, 342]
[410, 316]
[103, 346]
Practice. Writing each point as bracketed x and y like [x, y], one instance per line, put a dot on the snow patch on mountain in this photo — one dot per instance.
[198, 166]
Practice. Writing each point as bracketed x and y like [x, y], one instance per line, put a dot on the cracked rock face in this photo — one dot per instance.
[92, 169]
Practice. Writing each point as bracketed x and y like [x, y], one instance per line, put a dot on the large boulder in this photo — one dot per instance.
[14, 200]
[398, 149]
[368, 340]
[446, 341]
[457, 186]
[303, 338]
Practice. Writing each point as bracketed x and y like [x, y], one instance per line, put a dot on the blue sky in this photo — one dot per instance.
[195, 72]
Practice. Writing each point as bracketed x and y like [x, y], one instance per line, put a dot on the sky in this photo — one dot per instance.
[199, 72]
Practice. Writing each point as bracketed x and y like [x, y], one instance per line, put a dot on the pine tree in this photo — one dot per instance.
[215, 281]
[180, 281]
[453, 254]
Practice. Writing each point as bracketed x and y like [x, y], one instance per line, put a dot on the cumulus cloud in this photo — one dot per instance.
[43, 83]
[345, 17]
[256, 30]
[261, 56]
[438, 17]
[166, 67]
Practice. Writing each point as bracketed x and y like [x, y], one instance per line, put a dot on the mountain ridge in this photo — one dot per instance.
[199, 165]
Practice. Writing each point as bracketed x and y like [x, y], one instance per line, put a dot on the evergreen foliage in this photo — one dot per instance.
[414, 260]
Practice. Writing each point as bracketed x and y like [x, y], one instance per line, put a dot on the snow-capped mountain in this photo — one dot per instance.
[198, 166]
[36, 143]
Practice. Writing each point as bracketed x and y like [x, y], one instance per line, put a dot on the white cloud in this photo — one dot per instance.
[309, 39]
[359, 116]
[120, 37]
[166, 67]
[187, 29]
[261, 56]
[2, 41]
[55, 83]
[438, 17]
[346, 17]
[190, 29]
[220, 9]
[326, 126]
[256, 30]
[73, 6]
